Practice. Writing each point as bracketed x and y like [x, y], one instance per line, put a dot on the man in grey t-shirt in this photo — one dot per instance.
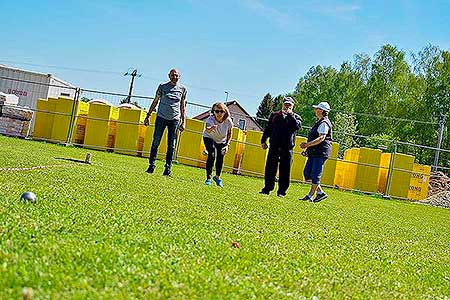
[171, 97]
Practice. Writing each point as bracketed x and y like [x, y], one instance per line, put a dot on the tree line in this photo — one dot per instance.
[389, 97]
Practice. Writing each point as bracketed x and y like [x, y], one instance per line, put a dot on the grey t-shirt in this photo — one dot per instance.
[170, 100]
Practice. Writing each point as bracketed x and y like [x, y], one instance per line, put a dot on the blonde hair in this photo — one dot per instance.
[222, 106]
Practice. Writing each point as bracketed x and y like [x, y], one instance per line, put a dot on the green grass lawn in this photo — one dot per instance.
[111, 231]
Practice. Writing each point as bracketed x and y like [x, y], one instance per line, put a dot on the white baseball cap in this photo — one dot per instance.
[288, 100]
[323, 106]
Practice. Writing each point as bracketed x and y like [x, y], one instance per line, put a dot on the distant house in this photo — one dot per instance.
[240, 117]
[30, 86]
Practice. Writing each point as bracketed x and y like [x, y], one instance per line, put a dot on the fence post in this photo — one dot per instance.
[177, 145]
[387, 193]
[72, 117]
[442, 122]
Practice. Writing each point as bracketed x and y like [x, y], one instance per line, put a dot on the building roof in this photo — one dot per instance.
[205, 114]
[37, 73]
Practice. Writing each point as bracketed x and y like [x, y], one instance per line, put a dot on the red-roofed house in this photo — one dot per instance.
[241, 118]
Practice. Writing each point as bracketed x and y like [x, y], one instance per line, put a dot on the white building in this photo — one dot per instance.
[29, 86]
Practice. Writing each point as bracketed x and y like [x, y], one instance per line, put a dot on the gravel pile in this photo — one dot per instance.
[438, 190]
[441, 199]
[439, 182]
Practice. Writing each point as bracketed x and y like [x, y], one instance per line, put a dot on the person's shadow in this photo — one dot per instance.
[74, 160]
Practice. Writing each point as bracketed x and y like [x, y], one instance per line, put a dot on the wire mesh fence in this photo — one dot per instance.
[377, 165]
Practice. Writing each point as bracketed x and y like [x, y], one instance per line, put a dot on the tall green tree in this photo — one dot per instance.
[264, 110]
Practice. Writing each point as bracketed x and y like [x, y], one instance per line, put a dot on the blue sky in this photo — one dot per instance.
[245, 47]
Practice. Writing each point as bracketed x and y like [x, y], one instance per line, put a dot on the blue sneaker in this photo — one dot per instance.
[208, 181]
[218, 181]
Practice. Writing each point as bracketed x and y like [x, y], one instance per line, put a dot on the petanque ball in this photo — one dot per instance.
[28, 196]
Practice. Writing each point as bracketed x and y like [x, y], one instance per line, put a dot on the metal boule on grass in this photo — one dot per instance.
[28, 196]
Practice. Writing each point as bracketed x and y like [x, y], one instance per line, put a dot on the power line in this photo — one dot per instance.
[209, 89]
[384, 117]
[62, 67]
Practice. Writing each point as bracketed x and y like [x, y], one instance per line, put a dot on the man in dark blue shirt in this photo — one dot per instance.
[281, 131]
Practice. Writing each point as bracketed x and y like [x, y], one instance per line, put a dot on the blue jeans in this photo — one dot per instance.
[160, 126]
[314, 168]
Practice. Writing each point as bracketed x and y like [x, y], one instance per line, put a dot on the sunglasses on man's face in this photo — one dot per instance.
[217, 111]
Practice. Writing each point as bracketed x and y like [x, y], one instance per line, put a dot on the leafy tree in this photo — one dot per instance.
[264, 110]
[345, 127]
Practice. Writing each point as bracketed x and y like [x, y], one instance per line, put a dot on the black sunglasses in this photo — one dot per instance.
[219, 111]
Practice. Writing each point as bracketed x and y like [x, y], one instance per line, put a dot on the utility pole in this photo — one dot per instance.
[439, 142]
[133, 74]
[226, 99]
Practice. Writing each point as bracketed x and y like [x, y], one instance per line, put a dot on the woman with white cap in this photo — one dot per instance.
[318, 150]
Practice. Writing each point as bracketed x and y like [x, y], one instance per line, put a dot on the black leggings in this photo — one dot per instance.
[211, 147]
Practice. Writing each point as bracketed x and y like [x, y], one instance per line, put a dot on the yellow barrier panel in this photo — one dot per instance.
[383, 173]
[80, 125]
[298, 160]
[350, 158]
[61, 121]
[130, 136]
[418, 185]
[190, 143]
[329, 169]
[401, 177]
[235, 151]
[101, 133]
[339, 174]
[254, 157]
[43, 123]
[367, 176]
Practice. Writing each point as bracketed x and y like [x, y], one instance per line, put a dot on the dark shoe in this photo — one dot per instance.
[320, 197]
[306, 198]
[151, 169]
[167, 172]
[264, 192]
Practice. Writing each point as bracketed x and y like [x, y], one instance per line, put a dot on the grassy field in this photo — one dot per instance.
[111, 231]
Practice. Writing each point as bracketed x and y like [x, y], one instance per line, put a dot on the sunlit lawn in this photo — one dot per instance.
[111, 231]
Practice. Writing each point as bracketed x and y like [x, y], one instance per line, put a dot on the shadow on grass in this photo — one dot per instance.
[73, 160]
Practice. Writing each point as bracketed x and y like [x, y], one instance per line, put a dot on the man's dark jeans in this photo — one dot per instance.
[160, 126]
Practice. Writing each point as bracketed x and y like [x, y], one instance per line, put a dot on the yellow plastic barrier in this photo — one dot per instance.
[254, 157]
[349, 164]
[367, 176]
[329, 169]
[43, 123]
[61, 121]
[234, 156]
[401, 175]
[298, 160]
[80, 125]
[101, 132]
[339, 174]
[383, 173]
[130, 136]
[418, 184]
[190, 143]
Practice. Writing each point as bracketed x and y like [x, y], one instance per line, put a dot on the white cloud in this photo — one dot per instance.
[346, 12]
[257, 6]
